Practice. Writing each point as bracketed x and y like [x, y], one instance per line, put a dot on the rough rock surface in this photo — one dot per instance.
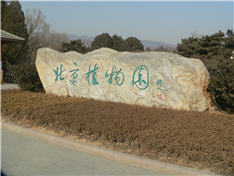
[149, 78]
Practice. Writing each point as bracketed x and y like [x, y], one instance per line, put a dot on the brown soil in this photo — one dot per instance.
[196, 139]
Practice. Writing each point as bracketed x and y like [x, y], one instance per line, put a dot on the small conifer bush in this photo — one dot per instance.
[27, 78]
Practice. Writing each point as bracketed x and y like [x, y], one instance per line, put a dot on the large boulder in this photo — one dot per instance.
[158, 79]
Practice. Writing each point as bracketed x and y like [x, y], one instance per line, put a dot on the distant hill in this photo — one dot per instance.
[81, 37]
[87, 40]
[155, 44]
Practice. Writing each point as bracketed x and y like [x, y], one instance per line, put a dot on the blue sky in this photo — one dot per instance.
[159, 21]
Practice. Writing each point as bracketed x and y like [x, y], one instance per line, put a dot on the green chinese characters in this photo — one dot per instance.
[74, 74]
[58, 73]
[137, 78]
[118, 76]
[140, 77]
[92, 72]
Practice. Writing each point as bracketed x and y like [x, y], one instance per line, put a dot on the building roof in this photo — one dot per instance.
[8, 37]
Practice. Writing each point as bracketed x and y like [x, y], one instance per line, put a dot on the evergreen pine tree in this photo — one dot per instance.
[102, 40]
[74, 45]
[133, 44]
[12, 18]
[118, 43]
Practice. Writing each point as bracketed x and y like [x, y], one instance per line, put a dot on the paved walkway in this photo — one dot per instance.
[28, 152]
[24, 156]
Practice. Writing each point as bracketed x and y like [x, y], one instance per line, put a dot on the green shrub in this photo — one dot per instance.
[27, 78]
[221, 85]
[133, 44]
[215, 51]
[102, 40]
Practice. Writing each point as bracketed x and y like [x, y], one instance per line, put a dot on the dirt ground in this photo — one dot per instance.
[202, 140]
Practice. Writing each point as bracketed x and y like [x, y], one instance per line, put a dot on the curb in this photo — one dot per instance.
[153, 165]
[8, 86]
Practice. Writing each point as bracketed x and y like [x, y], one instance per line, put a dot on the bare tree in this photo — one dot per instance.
[35, 22]
[55, 40]
[39, 34]
[37, 30]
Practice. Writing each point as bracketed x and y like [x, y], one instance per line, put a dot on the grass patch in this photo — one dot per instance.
[196, 139]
